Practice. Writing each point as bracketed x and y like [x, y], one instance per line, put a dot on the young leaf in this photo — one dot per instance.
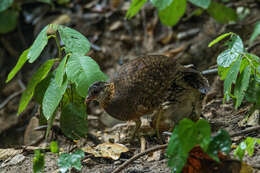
[242, 85]
[38, 161]
[83, 71]
[221, 13]
[170, 15]
[222, 72]
[201, 3]
[74, 41]
[161, 4]
[135, 6]
[256, 32]
[4, 4]
[54, 148]
[235, 48]
[71, 115]
[67, 161]
[60, 71]
[219, 38]
[8, 20]
[52, 97]
[37, 77]
[231, 78]
[18, 66]
[38, 45]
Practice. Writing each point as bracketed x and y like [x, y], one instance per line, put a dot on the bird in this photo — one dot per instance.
[142, 85]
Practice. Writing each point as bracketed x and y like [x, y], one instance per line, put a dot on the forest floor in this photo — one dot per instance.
[116, 41]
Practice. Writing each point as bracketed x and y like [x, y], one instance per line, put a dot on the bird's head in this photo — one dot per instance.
[97, 91]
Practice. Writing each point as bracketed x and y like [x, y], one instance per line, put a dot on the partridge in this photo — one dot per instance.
[142, 85]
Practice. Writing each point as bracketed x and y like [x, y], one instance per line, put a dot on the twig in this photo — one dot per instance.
[250, 48]
[245, 131]
[135, 157]
[9, 98]
[210, 71]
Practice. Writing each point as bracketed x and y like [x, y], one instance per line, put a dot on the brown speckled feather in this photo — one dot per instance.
[141, 86]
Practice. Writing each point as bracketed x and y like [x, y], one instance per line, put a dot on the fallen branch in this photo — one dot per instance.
[137, 156]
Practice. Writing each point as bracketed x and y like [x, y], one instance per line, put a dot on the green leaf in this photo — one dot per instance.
[52, 97]
[222, 72]
[61, 71]
[247, 145]
[221, 13]
[253, 92]
[4, 4]
[37, 77]
[235, 48]
[219, 38]
[38, 45]
[204, 133]
[231, 78]
[221, 142]
[177, 157]
[187, 130]
[38, 161]
[170, 15]
[201, 3]
[18, 66]
[72, 114]
[161, 4]
[256, 32]
[74, 41]
[41, 88]
[54, 147]
[8, 20]
[135, 6]
[67, 161]
[83, 71]
[242, 85]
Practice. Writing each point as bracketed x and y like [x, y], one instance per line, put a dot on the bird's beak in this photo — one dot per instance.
[88, 99]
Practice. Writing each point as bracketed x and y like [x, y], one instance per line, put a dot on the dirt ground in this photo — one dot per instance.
[116, 41]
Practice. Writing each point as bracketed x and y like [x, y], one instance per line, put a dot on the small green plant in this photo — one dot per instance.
[247, 145]
[67, 161]
[38, 161]
[65, 87]
[171, 11]
[240, 71]
[187, 134]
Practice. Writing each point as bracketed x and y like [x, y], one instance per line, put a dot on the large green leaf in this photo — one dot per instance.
[242, 85]
[52, 97]
[37, 77]
[201, 3]
[38, 45]
[8, 20]
[83, 71]
[74, 41]
[170, 15]
[71, 115]
[235, 48]
[221, 13]
[60, 71]
[231, 78]
[204, 133]
[161, 4]
[256, 32]
[4, 4]
[135, 6]
[22, 59]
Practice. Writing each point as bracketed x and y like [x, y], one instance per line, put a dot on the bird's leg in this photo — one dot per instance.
[158, 119]
[138, 123]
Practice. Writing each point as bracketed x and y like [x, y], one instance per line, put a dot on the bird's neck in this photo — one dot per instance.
[109, 92]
